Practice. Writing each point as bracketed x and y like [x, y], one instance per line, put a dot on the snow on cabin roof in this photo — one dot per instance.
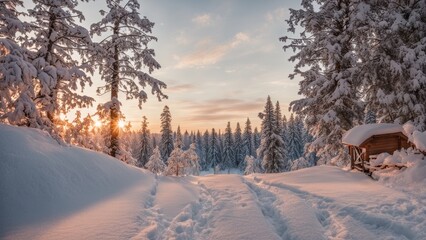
[359, 134]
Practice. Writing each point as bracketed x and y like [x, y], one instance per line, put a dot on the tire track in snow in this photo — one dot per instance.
[340, 220]
[267, 202]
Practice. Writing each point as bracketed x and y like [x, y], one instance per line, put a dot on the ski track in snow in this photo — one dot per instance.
[343, 221]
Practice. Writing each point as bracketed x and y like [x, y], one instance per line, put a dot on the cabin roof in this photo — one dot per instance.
[357, 135]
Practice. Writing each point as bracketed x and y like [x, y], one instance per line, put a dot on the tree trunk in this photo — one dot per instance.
[114, 114]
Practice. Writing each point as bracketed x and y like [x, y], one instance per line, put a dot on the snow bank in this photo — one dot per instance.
[411, 178]
[359, 134]
[41, 180]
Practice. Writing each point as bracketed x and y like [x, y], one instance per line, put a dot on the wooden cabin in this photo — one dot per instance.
[365, 142]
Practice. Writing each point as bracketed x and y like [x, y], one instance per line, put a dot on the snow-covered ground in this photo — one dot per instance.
[48, 191]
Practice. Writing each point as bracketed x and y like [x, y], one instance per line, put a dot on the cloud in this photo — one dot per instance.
[224, 109]
[180, 88]
[203, 20]
[182, 39]
[211, 55]
[277, 15]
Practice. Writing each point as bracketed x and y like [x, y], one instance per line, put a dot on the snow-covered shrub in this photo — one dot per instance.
[253, 165]
[176, 163]
[192, 160]
[300, 163]
[155, 164]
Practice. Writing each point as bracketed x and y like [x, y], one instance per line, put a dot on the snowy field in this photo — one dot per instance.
[50, 191]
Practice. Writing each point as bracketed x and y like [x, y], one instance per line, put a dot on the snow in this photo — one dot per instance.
[49, 191]
[419, 139]
[357, 135]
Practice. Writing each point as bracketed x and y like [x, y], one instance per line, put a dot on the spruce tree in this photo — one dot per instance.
[17, 73]
[178, 139]
[166, 143]
[155, 164]
[328, 65]
[121, 55]
[214, 151]
[370, 117]
[63, 49]
[248, 145]
[206, 163]
[228, 155]
[145, 148]
[238, 147]
[256, 141]
[271, 149]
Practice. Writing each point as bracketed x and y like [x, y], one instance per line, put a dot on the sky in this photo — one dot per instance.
[220, 61]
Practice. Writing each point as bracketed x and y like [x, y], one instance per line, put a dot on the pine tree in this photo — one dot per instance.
[166, 143]
[186, 140]
[60, 44]
[228, 155]
[145, 148]
[17, 73]
[370, 117]
[122, 54]
[256, 140]
[214, 151]
[207, 162]
[294, 139]
[271, 149]
[199, 149]
[278, 117]
[248, 146]
[179, 140]
[326, 62]
[238, 147]
[155, 163]
[394, 76]
[176, 163]
[191, 156]
[252, 165]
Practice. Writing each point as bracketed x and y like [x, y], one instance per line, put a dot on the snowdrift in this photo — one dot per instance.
[49, 191]
[41, 180]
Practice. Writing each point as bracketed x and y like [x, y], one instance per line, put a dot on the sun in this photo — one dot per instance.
[98, 124]
[121, 124]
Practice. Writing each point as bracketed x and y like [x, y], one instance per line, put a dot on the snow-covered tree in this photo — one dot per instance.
[370, 117]
[393, 60]
[294, 138]
[122, 54]
[62, 48]
[214, 151]
[278, 117]
[271, 149]
[155, 164]
[166, 143]
[206, 163]
[252, 165]
[300, 163]
[228, 155]
[239, 147]
[248, 145]
[256, 140]
[176, 163]
[199, 149]
[17, 73]
[178, 138]
[192, 159]
[328, 65]
[145, 148]
[186, 141]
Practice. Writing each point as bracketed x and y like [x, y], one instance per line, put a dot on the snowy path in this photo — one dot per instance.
[351, 207]
[48, 191]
